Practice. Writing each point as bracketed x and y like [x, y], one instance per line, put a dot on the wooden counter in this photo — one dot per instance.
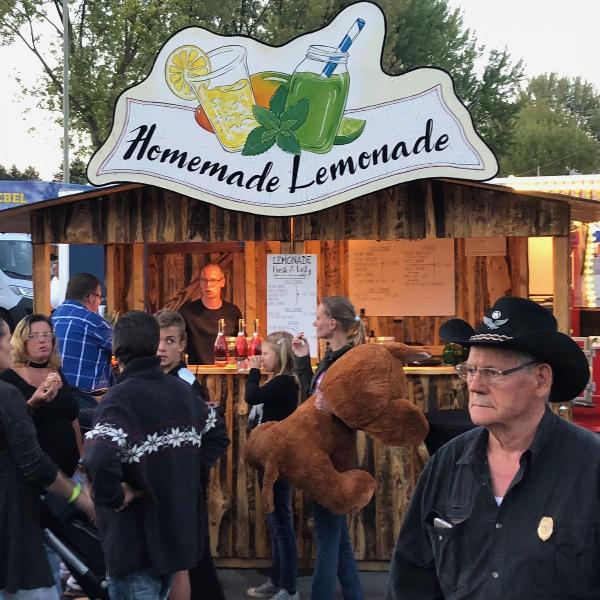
[211, 370]
[237, 526]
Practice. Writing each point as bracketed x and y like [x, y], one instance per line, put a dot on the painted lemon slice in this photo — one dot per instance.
[183, 64]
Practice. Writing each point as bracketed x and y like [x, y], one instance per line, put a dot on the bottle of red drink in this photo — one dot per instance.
[241, 347]
[221, 352]
[256, 343]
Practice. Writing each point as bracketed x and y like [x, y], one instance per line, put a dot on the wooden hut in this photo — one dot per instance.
[155, 241]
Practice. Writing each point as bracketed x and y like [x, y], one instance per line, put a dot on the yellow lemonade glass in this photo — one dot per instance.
[226, 96]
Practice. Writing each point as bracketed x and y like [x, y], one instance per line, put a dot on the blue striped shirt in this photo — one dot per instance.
[85, 344]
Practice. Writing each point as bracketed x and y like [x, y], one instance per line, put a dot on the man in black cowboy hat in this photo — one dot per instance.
[510, 509]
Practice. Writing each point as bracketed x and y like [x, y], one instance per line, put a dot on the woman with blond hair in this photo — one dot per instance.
[276, 400]
[37, 375]
[338, 324]
[25, 471]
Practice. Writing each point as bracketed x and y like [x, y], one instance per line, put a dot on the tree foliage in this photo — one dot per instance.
[557, 130]
[113, 44]
[77, 171]
[572, 97]
[12, 173]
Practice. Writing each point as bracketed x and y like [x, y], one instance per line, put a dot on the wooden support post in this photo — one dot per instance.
[138, 271]
[560, 269]
[41, 279]
[250, 283]
[111, 276]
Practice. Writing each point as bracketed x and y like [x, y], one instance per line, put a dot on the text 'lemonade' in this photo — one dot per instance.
[227, 98]
[326, 96]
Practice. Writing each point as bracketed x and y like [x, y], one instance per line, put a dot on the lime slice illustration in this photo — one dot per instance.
[183, 64]
[349, 130]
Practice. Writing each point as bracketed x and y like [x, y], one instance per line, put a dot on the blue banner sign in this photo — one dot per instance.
[17, 193]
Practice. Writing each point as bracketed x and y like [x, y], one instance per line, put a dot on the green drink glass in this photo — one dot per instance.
[326, 96]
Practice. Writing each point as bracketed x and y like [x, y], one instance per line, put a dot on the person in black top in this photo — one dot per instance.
[338, 323]
[37, 375]
[511, 509]
[202, 316]
[274, 401]
[144, 459]
[25, 472]
[200, 582]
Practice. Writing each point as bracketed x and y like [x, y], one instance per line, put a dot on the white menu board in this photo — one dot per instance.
[292, 295]
[402, 278]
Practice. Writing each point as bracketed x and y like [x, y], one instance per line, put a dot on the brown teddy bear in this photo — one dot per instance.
[366, 389]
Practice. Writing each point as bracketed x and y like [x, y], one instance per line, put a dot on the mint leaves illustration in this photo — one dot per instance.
[277, 125]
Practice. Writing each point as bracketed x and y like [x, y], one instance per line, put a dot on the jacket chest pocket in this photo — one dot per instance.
[446, 546]
[562, 562]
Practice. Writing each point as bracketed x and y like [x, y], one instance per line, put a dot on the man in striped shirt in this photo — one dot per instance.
[84, 341]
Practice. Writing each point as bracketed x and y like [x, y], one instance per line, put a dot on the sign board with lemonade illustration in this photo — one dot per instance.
[288, 130]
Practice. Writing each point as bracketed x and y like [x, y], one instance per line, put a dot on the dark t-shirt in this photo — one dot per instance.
[202, 327]
[53, 422]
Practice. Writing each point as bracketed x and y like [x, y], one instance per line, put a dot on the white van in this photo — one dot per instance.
[16, 287]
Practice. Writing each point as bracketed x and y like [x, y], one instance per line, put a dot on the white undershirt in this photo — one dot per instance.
[498, 499]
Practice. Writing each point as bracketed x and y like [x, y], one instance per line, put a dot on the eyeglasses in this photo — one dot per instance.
[47, 335]
[205, 281]
[488, 374]
[99, 296]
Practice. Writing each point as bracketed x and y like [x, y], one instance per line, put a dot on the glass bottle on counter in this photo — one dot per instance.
[449, 355]
[365, 320]
[241, 347]
[256, 343]
[221, 351]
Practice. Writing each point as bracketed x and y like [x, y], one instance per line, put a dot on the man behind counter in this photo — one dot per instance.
[202, 316]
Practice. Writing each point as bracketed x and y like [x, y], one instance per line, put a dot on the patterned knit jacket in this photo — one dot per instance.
[148, 433]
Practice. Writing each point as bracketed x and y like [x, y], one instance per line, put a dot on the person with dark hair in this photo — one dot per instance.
[201, 582]
[337, 323]
[144, 460]
[511, 508]
[202, 316]
[84, 342]
[25, 472]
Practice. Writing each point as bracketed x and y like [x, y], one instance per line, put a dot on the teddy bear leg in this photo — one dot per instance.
[269, 478]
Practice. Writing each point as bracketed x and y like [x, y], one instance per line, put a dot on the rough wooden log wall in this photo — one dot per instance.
[237, 523]
[414, 210]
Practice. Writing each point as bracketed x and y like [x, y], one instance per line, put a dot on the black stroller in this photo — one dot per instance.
[77, 542]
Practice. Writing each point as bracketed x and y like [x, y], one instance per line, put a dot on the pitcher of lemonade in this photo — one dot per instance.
[326, 94]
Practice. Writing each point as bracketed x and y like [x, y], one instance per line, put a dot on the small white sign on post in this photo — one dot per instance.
[292, 295]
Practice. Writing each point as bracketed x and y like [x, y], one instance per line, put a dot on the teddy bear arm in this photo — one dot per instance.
[340, 493]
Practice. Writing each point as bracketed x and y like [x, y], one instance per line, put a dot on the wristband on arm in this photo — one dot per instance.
[75, 494]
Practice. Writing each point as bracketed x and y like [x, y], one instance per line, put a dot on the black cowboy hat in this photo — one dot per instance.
[520, 324]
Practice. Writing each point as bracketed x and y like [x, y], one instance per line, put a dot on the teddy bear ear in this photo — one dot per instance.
[407, 353]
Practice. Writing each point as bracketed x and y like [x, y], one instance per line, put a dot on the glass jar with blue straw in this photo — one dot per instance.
[322, 78]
